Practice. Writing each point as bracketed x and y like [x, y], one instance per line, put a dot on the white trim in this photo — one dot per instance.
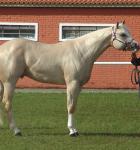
[113, 63]
[78, 24]
[21, 23]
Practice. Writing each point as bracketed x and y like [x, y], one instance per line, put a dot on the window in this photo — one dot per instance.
[10, 31]
[71, 31]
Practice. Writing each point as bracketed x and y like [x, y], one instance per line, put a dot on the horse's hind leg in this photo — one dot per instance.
[7, 100]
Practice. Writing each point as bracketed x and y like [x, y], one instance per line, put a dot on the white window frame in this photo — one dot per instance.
[24, 23]
[78, 24]
[113, 63]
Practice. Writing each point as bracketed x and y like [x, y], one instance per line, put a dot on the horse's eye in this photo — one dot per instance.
[123, 35]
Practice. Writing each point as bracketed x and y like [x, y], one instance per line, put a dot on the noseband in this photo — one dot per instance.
[114, 37]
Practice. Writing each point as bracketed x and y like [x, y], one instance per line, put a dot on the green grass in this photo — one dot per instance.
[106, 121]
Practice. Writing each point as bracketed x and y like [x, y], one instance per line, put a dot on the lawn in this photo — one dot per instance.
[106, 121]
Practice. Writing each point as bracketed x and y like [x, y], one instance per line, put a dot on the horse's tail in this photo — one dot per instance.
[1, 97]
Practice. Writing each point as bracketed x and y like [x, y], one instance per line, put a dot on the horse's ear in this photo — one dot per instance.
[117, 25]
[123, 22]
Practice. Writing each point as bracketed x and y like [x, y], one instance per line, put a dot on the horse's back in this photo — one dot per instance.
[42, 62]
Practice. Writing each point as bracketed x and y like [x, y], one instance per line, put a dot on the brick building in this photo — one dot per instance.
[54, 21]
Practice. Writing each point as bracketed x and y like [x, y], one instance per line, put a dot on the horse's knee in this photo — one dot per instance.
[7, 106]
[71, 109]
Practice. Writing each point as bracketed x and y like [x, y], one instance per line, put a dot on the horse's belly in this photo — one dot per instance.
[47, 76]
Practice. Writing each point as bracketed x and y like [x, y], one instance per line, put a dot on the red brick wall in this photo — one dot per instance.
[103, 76]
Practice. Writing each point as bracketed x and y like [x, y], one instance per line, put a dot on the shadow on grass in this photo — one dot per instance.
[50, 132]
[123, 135]
[105, 134]
[46, 131]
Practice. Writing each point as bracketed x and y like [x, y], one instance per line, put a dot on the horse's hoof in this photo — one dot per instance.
[75, 134]
[18, 133]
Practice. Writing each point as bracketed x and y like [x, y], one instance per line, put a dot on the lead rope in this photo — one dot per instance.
[135, 74]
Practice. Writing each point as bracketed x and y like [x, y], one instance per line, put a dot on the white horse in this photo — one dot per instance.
[69, 63]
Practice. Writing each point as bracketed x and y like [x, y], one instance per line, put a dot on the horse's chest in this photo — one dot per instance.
[85, 73]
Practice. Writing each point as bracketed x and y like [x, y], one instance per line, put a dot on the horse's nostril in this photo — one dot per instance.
[135, 46]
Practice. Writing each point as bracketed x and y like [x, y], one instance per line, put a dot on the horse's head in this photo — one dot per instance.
[122, 39]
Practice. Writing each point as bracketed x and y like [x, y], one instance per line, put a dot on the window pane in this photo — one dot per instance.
[27, 27]
[68, 35]
[101, 27]
[16, 31]
[27, 31]
[10, 27]
[71, 32]
[86, 28]
[10, 31]
[10, 35]
[70, 28]
[0, 31]
[30, 36]
[84, 32]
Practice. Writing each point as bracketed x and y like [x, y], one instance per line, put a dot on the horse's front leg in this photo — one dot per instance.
[73, 90]
[7, 100]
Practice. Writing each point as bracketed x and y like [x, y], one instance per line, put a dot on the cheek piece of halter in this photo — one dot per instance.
[127, 44]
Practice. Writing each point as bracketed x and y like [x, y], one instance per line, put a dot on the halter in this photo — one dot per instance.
[126, 43]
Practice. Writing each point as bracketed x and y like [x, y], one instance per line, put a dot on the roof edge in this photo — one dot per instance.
[71, 5]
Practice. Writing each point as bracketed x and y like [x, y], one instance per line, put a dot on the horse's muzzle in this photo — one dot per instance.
[134, 46]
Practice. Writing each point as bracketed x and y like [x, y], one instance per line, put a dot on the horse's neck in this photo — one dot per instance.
[93, 44]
